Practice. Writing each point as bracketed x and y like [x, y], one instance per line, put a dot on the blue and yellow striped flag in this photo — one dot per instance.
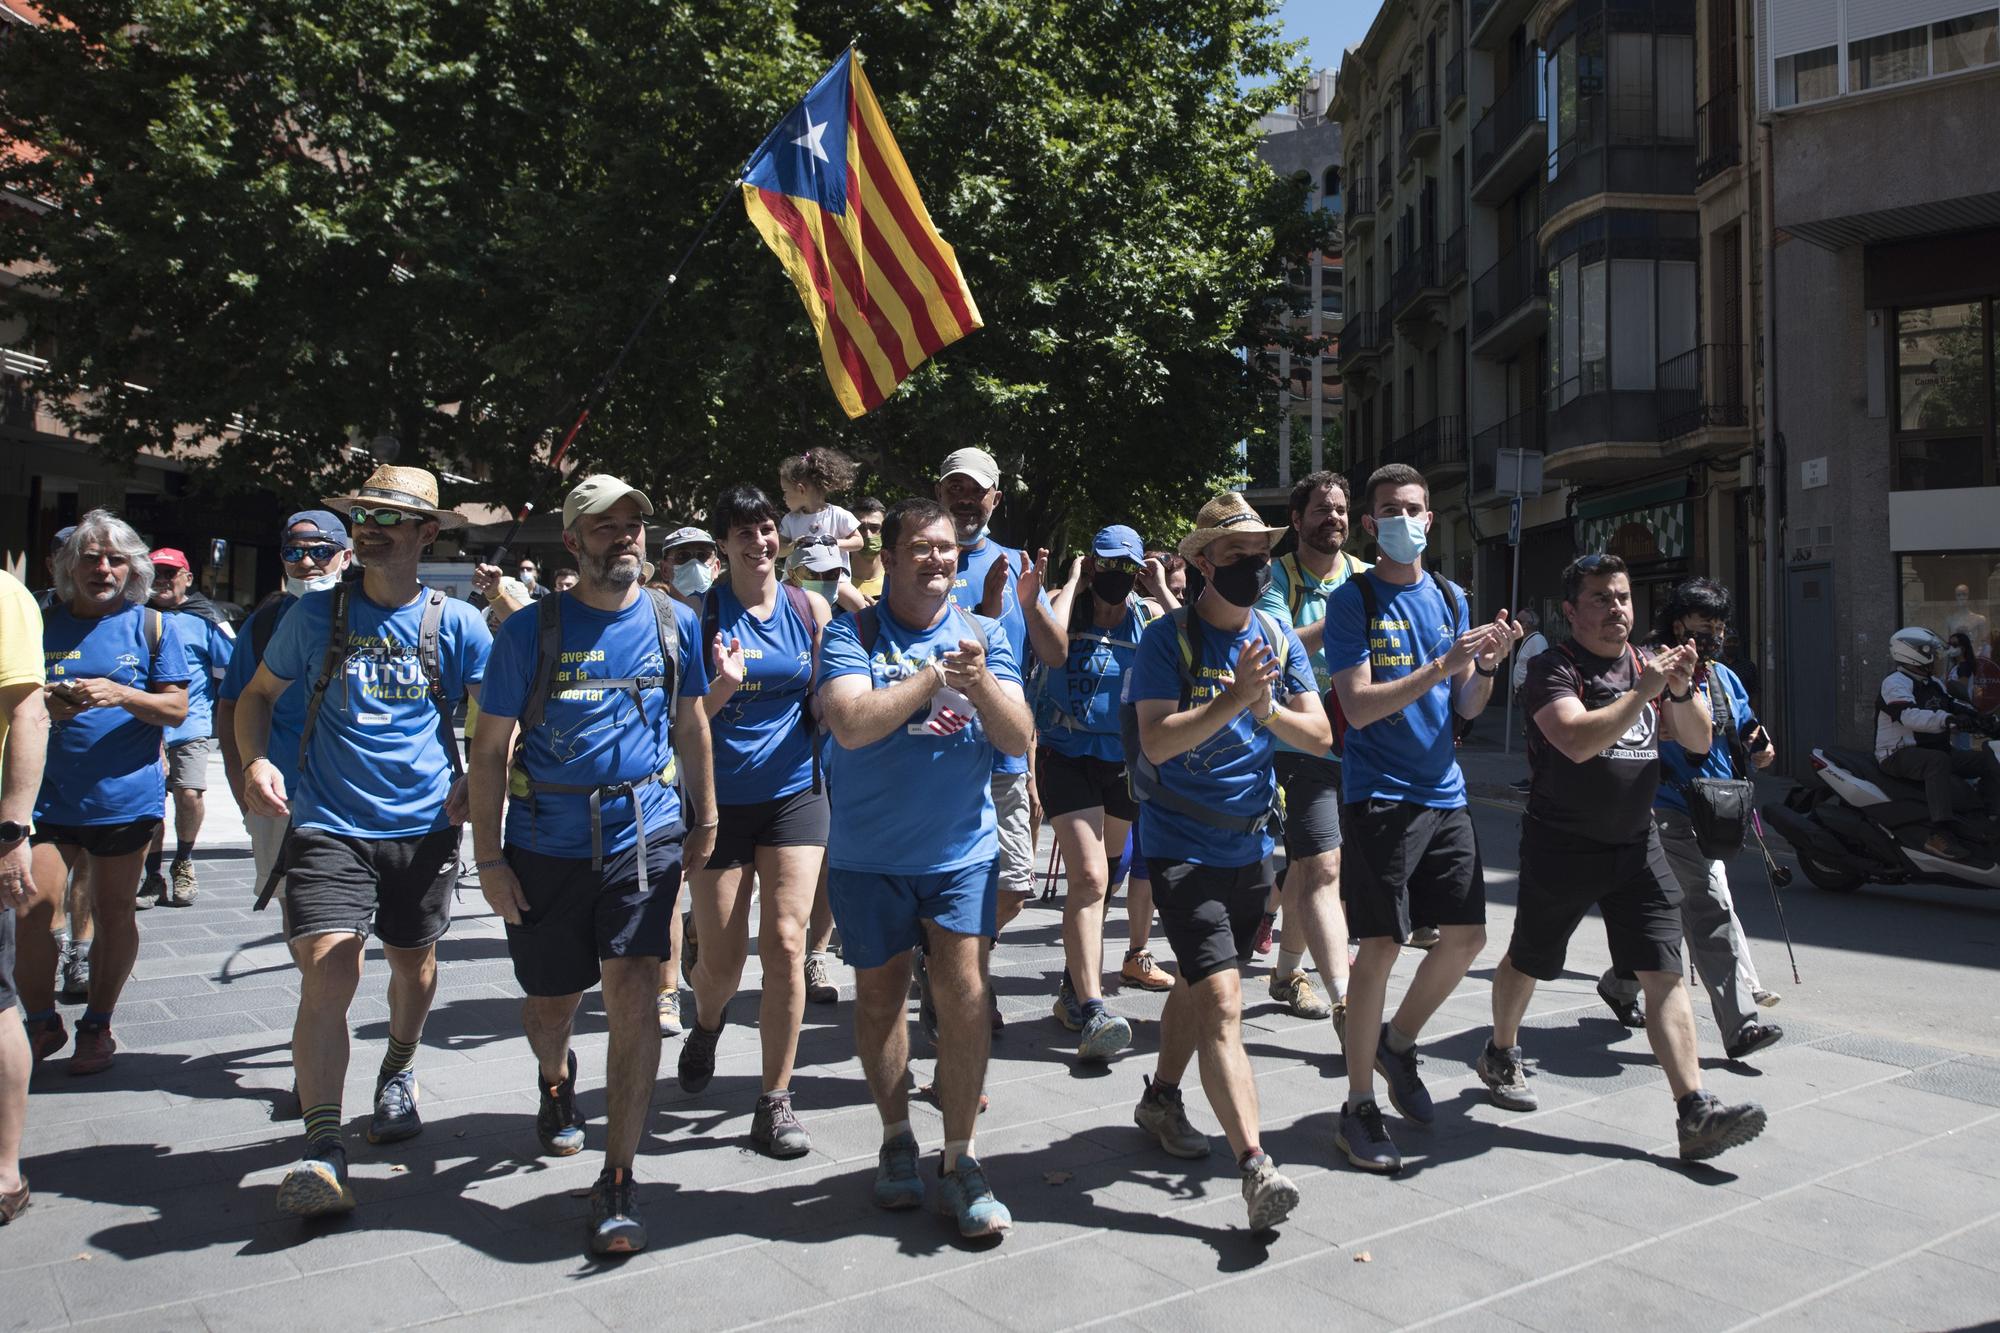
[831, 195]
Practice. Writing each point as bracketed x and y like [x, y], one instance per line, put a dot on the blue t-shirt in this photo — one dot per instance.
[377, 767]
[968, 587]
[1407, 756]
[104, 764]
[1076, 710]
[288, 714]
[592, 736]
[208, 651]
[1724, 690]
[1230, 772]
[1312, 595]
[761, 749]
[920, 800]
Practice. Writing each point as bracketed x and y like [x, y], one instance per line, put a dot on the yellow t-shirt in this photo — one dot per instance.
[870, 588]
[20, 643]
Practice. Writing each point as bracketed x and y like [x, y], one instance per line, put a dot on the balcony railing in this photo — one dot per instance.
[1524, 430]
[1702, 387]
[1420, 117]
[1454, 79]
[1516, 279]
[1438, 443]
[1718, 143]
[1418, 272]
[1359, 336]
[1360, 199]
[1513, 111]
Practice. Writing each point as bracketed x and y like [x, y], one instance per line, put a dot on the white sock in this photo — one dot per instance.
[1336, 986]
[890, 1132]
[1399, 1043]
[954, 1149]
[1288, 962]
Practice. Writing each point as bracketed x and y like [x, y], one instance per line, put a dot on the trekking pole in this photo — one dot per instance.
[1055, 866]
[1776, 877]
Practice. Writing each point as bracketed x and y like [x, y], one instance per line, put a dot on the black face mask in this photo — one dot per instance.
[1112, 585]
[1707, 645]
[1243, 582]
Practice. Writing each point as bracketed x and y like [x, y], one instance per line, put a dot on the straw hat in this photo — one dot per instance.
[410, 489]
[1226, 514]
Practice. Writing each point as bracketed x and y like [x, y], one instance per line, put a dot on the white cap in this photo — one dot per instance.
[974, 463]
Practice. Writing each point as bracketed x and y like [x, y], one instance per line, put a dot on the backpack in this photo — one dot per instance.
[1142, 776]
[1337, 717]
[1295, 579]
[264, 619]
[1048, 710]
[795, 597]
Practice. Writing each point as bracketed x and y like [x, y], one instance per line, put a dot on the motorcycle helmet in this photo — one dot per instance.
[1916, 648]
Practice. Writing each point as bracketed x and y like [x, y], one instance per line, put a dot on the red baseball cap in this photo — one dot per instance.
[167, 555]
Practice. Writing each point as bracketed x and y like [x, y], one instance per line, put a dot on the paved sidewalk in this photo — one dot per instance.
[1873, 1200]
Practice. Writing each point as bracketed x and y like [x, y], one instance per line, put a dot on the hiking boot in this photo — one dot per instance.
[775, 1130]
[897, 1182]
[615, 1224]
[1708, 1128]
[316, 1186]
[1407, 1092]
[1269, 1195]
[74, 986]
[669, 1006]
[965, 1194]
[1262, 944]
[395, 1117]
[1140, 970]
[1104, 1035]
[1365, 1140]
[1340, 1024]
[94, 1049]
[183, 889]
[1751, 1038]
[819, 980]
[1296, 993]
[14, 1202]
[1506, 1078]
[558, 1124]
[697, 1065]
[1162, 1113]
[48, 1037]
[1424, 937]
[151, 890]
[1625, 1011]
[1766, 999]
[1068, 1011]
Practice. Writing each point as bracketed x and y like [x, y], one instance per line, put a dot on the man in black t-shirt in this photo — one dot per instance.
[1597, 710]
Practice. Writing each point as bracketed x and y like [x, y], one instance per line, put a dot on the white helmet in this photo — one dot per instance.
[1916, 647]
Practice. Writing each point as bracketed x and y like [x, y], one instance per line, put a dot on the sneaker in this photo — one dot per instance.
[558, 1124]
[1162, 1113]
[1340, 1024]
[1296, 993]
[1424, 937]
[966, 1195]
[74, 987]
[1506, 1078]
[1269, 1195]
[1140, 970]
[151, 890]
[615, 1224]
[395, 1117]
[1365, 1140]
[1708, 1128]
[775, 1130]
[897, 1182]
[316, 1186]
[1068, 1011]
[697, 1064]
[669, 1005]
[47, 1038]
[181, 892]
[1945, 845]
[14, 1202]
[1262, 944]
[819, 980]
[1766, 999]
[1625, 1011]
[1407, 1092]
[1104, 1035]
[1753, 1037]
[94, 1049]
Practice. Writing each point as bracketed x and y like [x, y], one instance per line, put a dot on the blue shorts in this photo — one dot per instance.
[881, 916]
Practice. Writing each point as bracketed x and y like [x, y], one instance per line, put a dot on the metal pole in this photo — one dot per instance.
[1513, 609]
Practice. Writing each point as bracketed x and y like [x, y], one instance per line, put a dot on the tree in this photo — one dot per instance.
[441, 221]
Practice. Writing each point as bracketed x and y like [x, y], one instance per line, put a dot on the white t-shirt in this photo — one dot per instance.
[1531, 647]
[831, 523]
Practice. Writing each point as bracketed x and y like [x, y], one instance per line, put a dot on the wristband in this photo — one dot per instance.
[483, 866]
[1260, 721]
[705, 823]
[1488, 673]
[1673, 698]
[938, 663]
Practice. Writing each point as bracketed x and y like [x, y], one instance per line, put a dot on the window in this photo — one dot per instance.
[1613, 323]
[1674, 76]
[1951, 594]
[1895, 57]
[1634, 354]
[1946, 385]
[1964, 43]
[1809, 76]
[1631, 56]
[1330, 189]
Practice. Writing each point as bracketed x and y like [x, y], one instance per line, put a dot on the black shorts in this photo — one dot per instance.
[135, 835]
[577, 917]
[1409, 865]
[398, 888]
[798, 820]
[1209, 914]
[1632, 884]
[1312, 804]
[9, 997]
[1068, 783]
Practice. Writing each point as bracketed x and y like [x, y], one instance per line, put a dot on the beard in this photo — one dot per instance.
[1328, 543]
[610, 570]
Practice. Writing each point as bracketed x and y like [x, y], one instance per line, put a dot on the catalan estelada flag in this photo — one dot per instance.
[831, 195]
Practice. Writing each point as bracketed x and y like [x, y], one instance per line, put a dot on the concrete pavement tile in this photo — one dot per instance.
[181, 1317]
[109, 1285]
[1209, 1239]
[1408, 1276]
[1747, 1264]
[1924, 1291]
[561, 1312]
[715, 1292]
[1259, 1300]
[1525, 1233]
[1495, 1161]
[1970, 1079]
[166, 988]
[917, 1305]
[1827, 1221]
[392, 1224]
[1349, 1208]
[1886, 1050]
[1646, 1196]
[1979, 1247]
[1967, 1150]
[1581, 1300]
[391, 1292]
[1075, 1281]
[135, 1038]
[1898, 1102]
[525, 1265]
[1927, 1186]
[32, 1300]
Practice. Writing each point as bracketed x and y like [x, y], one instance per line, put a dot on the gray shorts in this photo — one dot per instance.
[1017, 843]
[187, 764]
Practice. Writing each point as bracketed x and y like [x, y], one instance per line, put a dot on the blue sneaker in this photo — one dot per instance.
[897, 1184]
[969, 1198]
[1407, 1092]
[395, 1117]
[558, 1123]
[1068, 1012]
[1365, 1140]
[1104, 1035]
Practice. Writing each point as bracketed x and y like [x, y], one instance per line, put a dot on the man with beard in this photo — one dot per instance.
[1300, 584]
[1597, 709]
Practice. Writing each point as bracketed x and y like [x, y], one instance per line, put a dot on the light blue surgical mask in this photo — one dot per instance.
[693, 578]
[1402, 538]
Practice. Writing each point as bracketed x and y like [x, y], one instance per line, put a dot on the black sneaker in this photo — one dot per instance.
[1708, 1128]
[697, 1064]
[1625, 1011]
[1365, 1140]
[775, 1130]
[1506, 1078]
[317, 1185]
[1406, 1088]
[1753, 1037]
[558, 1123]
[615, 1224]
[151, 891]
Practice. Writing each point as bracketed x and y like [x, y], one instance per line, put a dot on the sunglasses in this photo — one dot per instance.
[680, 555]
[1589, 563]
[292, 555]
[1117, 565]
[381, 518]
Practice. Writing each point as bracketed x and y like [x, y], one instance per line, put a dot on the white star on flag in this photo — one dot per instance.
[810, 139]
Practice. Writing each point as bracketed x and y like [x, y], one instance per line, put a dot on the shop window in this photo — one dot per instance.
[1809, 76]
[1953, 594]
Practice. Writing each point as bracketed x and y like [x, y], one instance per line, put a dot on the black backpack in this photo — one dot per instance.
[795, 597]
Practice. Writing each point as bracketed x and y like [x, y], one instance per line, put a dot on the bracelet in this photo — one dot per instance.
[1489, 674]
[483, 866]
[705, 823]
[1260, 721]
[1673, 698]
[938, 664]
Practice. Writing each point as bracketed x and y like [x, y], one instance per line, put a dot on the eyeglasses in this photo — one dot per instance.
[381, 518]
[929, 550]
[680, 555]
[292, 555]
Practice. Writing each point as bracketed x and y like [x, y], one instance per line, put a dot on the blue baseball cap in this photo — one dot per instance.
[1118, 540]
[328, 525]
[62, 535]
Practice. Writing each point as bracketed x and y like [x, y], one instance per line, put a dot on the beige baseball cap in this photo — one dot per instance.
[974, 463]
[597, 493]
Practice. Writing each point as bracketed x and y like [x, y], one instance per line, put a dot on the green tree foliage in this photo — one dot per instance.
[440, 220]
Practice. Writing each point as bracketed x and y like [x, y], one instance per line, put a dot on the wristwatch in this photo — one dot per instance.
[1489, 674]
[12, 832]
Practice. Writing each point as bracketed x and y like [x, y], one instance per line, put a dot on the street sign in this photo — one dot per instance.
[1514, 522]
[1517, 471]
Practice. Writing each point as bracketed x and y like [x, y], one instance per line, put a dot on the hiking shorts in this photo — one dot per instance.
[1409, 865]
[106, 840]
[578, 917]
[798, 820]
[1068, 783]
[1210, 914]
[1312, 804]
[397, 889]
[881, 916]
[187, 764]
[1632, 885]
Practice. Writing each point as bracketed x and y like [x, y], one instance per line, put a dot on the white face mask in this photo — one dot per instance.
[318, 583]
[693, 578]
